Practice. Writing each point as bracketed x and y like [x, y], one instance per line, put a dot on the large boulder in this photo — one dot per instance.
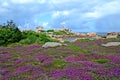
[51, 44]
[111, 44]
[112, 35]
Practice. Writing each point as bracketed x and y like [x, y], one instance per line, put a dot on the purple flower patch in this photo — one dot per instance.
[23, 69]
[33, 47]
[45, 60]
[58, 73]
[114, 58]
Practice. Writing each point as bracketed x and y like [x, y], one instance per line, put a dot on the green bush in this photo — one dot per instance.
[31, 37]
[50, 30]
[9, 33]
[44, 38]
[101, 61]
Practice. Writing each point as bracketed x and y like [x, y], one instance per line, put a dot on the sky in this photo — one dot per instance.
[77, 15]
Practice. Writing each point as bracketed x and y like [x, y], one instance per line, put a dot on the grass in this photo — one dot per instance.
[76, 48]
[101, 61]
[59, 64]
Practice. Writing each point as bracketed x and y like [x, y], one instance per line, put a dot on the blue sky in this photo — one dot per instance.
[78, 15]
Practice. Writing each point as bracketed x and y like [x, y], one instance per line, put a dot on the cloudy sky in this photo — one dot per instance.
[78, 15]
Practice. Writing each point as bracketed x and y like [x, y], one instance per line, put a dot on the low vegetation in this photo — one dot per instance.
[25, 59]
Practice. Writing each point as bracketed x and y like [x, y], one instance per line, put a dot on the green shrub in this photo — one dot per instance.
[31, 37]
[50, 30]
[9, 34]
[44, 38]
[101, 61]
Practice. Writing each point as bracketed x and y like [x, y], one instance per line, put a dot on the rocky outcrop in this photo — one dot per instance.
[92, 34]
[51, 44]
[112, 35]
[111, 44]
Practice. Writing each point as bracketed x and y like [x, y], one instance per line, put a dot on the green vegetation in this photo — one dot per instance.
[76, 48]
[31, 37]
[59, 64]
[50, 30]
[84, 40]
[59, 33]
[10, 35]
[101, 61]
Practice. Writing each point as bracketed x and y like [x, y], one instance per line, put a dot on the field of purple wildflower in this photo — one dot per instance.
[80, 60]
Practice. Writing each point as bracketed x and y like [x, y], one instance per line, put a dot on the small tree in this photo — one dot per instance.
[11, 24]
[9, 33]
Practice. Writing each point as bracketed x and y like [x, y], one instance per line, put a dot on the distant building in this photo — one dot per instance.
[39, 29]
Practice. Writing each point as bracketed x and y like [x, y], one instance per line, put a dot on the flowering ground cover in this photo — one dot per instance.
[80, 60]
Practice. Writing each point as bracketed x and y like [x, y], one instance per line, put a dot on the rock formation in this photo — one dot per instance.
[112, 35]
[92, 34]
[51, 44]
[111, 44]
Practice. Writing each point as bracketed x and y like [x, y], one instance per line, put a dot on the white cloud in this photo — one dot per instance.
[4, 7]
[42, 1]
[5, 4]
[22, 1]
[109, 8]
[92, 15]
[64, 1]
[63, 23]
[55, 14]
[60, 13]
[28, 1]
[59, 1]
[45, 24]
